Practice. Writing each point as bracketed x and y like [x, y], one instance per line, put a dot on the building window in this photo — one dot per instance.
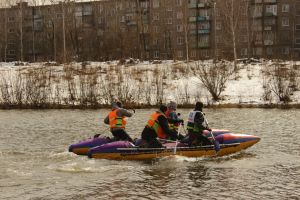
[156, 54]
[285, 8]
[155, 42]
[145, 4]
[269, 51]
[244, 38]
[180, 54]
[193, 54]
[156, 29]
[205, 53]
[297, 40]
[285, 50]
[258, 51]
[271, 10]
[179, 40]
[156, 16]
[11, 30]
[11, 19]
[145, 29]
[179, 15]
[155, 3]
[178, 2]
[59, 15]
[169, 21]
[244, 52]
[218, 26]
[285, 21]
[297, 27]
[11, 52]
[258, 10]
[179, 28]
[218, 39]
[169, 9]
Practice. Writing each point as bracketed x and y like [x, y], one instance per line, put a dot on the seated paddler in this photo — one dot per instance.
[173, 118]
[117, 122]
[157, 127]
[196, 125]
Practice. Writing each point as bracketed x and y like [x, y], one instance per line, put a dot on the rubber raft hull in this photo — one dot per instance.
[127, 151]
[82, 148]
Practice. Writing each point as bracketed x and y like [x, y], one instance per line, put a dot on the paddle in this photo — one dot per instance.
[215, 142]
[179, 130]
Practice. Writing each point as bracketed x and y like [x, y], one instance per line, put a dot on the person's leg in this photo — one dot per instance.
[154, 143]
[126, 136]
[204, 140]
[121, 134]
[192, 139]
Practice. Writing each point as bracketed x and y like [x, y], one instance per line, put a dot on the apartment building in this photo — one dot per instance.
[151, 29]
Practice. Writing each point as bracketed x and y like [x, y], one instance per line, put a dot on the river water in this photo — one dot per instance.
[35, 163]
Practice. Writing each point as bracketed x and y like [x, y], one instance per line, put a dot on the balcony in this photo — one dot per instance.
[268, 42]
[203, 31]
[270, 14]
[268, 28]
[270, 1]
[203, 45]
[202, 18]
[201, 5]
[192, 19]
[131, 23]
[193, 32]
[265, 1]
[194, 5]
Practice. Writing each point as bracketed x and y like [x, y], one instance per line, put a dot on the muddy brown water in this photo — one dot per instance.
[35, 164]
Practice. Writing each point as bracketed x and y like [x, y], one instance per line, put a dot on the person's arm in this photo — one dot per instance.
[123, 112]
[163, 122]
[199, 120]
[106, 120]
[173, 118]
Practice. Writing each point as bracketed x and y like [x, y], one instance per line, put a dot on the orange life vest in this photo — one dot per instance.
[115, 121]
[154, 125]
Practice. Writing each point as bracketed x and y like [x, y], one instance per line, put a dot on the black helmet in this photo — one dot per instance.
[163, 108]
[116, 104]
[199, 105]
[119, 104]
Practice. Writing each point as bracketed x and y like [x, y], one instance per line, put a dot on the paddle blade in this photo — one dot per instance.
[217, 145]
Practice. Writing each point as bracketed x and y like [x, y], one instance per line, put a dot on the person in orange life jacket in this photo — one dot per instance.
[117, 122]
[196, 125]
[157, 126]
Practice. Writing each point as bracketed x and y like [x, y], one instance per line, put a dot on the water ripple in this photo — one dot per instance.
[35, 163]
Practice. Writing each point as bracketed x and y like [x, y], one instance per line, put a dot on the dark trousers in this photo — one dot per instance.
[149, 138]
[197, 139]
[120, 134]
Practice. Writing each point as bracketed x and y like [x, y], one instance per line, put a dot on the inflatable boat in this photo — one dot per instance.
[104, 148]
[81, 148]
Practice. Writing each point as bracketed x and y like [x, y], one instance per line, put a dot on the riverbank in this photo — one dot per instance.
[189, 106]
[90, 85]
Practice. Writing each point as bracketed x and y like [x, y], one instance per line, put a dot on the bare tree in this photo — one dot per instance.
[280, 82]
[231, 13]
[213, 77]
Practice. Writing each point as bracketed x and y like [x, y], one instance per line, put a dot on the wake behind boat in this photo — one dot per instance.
[104, 148]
